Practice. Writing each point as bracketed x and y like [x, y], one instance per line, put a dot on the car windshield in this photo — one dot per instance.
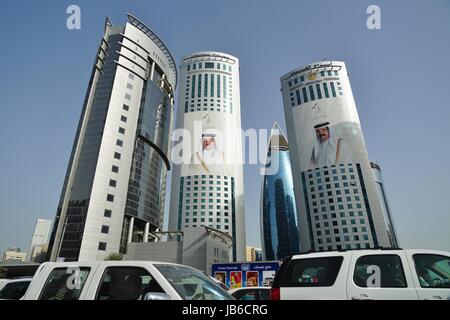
[14, 290]
[192, 284]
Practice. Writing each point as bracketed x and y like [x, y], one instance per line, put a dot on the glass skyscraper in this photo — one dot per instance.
[339, 194]
[279, 225]
[114, 189]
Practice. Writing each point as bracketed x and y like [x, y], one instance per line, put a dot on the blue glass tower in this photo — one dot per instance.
[279, 225]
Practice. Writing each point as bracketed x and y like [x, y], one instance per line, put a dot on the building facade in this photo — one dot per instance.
[384, 204]
[337, 199]
[254, 254]
[207, 179]
[14, 254]
[279, 223]
[198, 247]
[40, 238]
[114, 189]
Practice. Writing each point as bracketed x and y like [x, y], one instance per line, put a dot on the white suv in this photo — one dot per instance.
[122, 280]
[364, 275]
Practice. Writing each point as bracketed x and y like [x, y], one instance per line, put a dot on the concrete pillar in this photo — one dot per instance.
[147, 225]
[130, 230]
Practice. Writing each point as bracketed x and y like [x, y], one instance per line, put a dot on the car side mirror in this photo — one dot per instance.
[156, 296]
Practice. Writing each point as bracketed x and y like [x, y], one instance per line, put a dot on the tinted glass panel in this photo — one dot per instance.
[432, 270]
[126, 283]
[314, 272]
[64, 284]
[390, 270]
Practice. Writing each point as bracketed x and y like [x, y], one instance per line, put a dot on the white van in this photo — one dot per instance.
[122, 280]
[364, 275]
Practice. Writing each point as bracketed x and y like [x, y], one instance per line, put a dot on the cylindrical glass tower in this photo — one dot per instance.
[279, 225]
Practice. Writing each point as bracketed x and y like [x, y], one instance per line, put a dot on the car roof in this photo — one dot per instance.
[344, 253]
[27, 279]
[118, 263]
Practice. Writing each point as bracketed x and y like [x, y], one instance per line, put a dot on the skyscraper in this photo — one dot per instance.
[336, 194]
[115, 183]
[41, 235]
[279, 224]
[207, 183]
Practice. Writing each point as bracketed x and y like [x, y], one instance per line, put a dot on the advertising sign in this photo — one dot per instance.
[245, 274]
[328, 132]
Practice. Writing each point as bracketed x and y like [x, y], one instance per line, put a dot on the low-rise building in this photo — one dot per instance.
[198, 247]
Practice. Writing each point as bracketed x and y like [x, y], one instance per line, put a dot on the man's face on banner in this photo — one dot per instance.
[323, 133]
[208, 142]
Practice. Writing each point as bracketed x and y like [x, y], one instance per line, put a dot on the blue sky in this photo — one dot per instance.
[400, 77]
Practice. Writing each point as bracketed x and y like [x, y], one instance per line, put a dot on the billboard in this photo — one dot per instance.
[210, 146]
[245, 274]
[328, 132]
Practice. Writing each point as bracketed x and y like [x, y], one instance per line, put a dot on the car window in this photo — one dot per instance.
[264, 294]
[313, 272]
[432, 270]
[64, 283]
[385, 271]
[14, 290]
[192, 284]
[246, 295]
[126, 283]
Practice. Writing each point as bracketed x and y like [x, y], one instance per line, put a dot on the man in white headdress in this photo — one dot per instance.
[328, 149]
[209, 158]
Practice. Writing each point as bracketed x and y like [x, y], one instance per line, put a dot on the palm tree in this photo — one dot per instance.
[114, 256]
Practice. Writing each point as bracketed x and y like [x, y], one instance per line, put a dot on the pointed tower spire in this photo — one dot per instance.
[277, 138]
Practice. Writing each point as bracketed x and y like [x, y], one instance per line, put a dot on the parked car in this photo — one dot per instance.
[122, 280]
[364, 275]
[251, 293]
[14, 289]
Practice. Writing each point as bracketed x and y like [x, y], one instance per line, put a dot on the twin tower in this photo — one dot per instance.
[126, 143]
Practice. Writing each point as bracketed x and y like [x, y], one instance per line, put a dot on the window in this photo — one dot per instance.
[119, 142]
[117, 155]
[123, 119]
[305, 97]
[333, 90]
[297, 93]
[315, 272]
[126, 107]
[121, 130]
[115, 169]
[102, 246]
[131, 76]
[105, 229]
[433, 271]
[199, 93]
[112, 183]
[129, 86]
[218, 86]
[209, 65]
[390, 268]
[55, 287]
[319, 93]
[311, 93]
[193, 86]
[325, 90]
[127, 96]
[110, 198]
[192, 284]
[107, 213]
[14, 290]
[126, 283]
